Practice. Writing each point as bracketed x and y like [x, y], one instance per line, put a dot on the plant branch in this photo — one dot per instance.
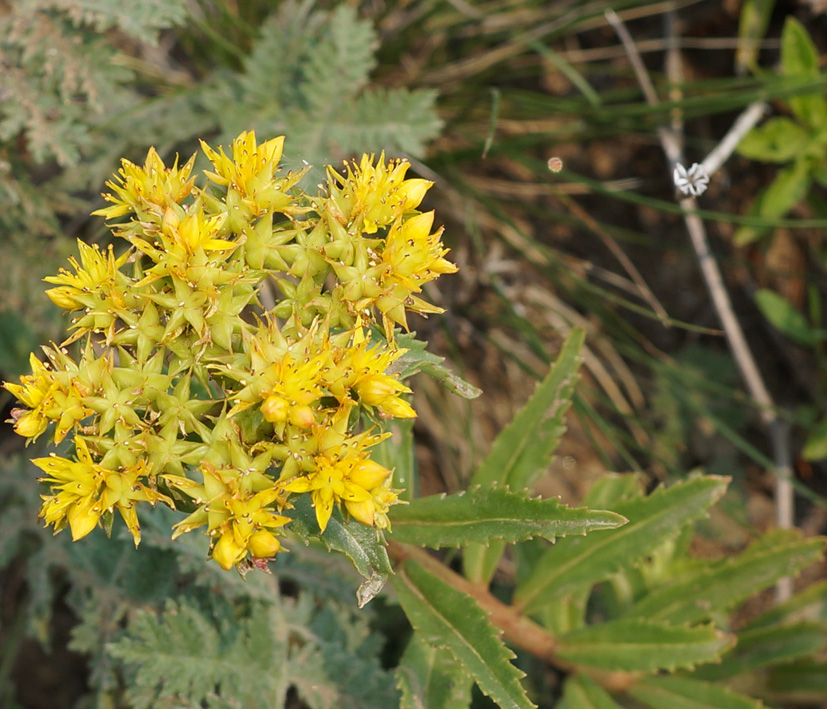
[518, 629]
[733, 332]
[743, 125]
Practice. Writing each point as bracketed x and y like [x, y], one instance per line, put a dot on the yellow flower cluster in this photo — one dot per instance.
[382, 274]
[83, 490]
[190, 392]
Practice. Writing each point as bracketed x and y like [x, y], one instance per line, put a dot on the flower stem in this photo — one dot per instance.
[518, 629]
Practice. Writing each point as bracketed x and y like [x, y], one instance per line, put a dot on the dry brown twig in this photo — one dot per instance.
[776, 427]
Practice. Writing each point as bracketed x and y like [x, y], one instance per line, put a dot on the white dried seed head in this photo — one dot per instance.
[693, 181]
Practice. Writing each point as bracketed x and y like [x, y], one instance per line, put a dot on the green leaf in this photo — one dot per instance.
[611, 488]
[429, 676]
[808, 605]
[250, 655]
[361, 544]
[642, 646]
[755, 18]
[306, 78]
[580, 692]
[418, 359]
[789, 187]
[815, 447]
[397, 453]
[183, 653]
[270, 70]
[17, 341]
[767, 646]
[348, 44]
[802, 682]
[491, 512]
[448, 618]
[567, 613]
[403, 120]
[787, 319]
[141, 20]
[524, 448]
[682, 693]
[721, 584]
[799, 57]
[351, 657]
[779, 139]
[573, 563]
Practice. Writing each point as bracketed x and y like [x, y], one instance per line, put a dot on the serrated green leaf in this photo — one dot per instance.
[642, 646]
[404, 120]
[141, 20]
[488, 513]
[722, 584]
[767, 646]
[524, 448]
[779, 139]
[683, 693]
[799, 57]
[802, 682]
[348, 44]
[580, 692]
[573, 563]
[306, 78]
[361, 544]
[787, 319]
[808, 605]
[450, 619]
[178, 653]
[429, 676]
[250, 658]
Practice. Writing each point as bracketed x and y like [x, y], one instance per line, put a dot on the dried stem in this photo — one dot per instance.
[630, 268]
[776, 427]
[743, 125]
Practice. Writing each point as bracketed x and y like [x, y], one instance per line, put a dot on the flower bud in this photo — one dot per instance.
[30, 425]
[171, 220]
[275, 409]
[82, 517]
[263, 544]
[396, 408]
[368, 474]
[302, 416]
[64, 297]
[362, 511]
[376, 389]
[227, 552]
[413, 191]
